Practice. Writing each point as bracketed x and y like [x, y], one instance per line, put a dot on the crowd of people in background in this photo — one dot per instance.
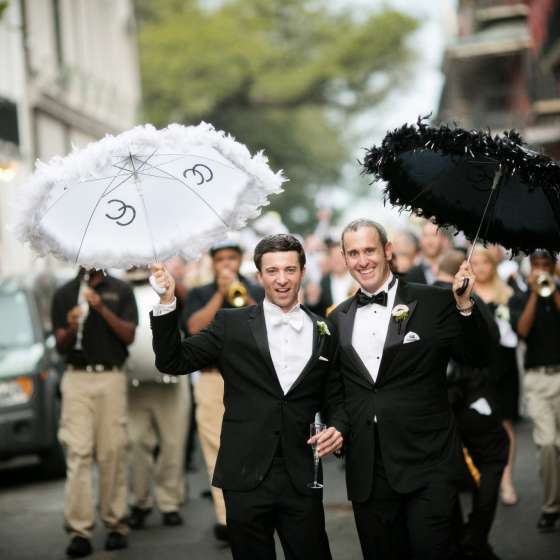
[164, 412]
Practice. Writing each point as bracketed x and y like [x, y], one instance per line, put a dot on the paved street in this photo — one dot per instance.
[31, 520]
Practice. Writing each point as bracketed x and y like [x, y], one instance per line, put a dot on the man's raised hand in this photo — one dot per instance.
[164, 281]
[464, 272]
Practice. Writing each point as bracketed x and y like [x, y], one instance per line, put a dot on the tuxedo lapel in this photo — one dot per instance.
[318, 343]
[396, 330]
[346, 329]
[257, 325]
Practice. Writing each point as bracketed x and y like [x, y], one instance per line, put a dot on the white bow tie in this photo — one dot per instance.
[293, 318]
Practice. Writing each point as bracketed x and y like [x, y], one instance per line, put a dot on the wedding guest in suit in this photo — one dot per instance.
[276, 359]
[433, 242]
[336, 285]
[403, 455]
[406, 247]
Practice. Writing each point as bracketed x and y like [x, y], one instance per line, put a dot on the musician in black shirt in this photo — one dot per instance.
[535, 316]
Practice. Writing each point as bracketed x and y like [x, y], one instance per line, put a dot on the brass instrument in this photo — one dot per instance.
[545, 284]
[473, 470]
[237, 295]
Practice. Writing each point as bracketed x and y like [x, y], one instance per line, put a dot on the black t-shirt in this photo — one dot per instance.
[100, 344]
[543, 342]
[198, 297]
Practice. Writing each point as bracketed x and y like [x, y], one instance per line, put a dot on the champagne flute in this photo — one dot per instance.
[315, 428]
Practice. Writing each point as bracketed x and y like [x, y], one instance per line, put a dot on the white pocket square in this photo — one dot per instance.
[410, 337]
[323, 359]
[481, 406]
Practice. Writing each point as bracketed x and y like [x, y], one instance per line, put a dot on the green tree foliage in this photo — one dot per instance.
[280, 75]
[3, 8]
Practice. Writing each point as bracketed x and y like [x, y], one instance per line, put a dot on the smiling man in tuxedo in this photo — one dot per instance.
[276, 360]
[403, 454]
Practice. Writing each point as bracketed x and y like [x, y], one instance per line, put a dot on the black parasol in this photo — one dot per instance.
[492, 187]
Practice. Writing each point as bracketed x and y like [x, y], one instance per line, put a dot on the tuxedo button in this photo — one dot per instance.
[369, 422]
[276, 432]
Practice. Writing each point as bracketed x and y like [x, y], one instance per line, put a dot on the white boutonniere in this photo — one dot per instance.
[400, 313]
[323, 328]
[502, 312]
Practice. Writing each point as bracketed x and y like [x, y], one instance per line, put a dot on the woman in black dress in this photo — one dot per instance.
[504, 372]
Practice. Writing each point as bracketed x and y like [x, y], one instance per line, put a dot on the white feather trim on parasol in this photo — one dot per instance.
[144, 195]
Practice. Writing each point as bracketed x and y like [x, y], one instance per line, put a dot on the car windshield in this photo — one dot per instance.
[16, 327]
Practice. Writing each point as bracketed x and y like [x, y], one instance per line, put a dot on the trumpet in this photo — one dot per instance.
[545, 284]
[237, 295]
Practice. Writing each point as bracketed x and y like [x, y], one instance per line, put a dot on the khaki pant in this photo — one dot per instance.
[158, 415]
[93, 425]
[543, 405]
[209, 398]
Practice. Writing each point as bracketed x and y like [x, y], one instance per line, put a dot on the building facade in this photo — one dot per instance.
[502, 70]
[69, 75]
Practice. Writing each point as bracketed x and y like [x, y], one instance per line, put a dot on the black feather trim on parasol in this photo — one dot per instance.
[478, 183]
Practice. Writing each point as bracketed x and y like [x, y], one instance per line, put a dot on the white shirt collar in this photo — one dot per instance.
[277, 316]
[273, 308]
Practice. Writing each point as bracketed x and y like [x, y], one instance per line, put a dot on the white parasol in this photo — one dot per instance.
[144, 196]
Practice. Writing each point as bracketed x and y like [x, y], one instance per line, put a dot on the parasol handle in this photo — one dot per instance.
[497, 176]
[463, 288]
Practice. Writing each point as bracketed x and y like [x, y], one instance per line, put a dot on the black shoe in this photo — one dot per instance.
[221, 532]
[79, 547]
[137, 517]
[547, 521]
[116, 541]
[172, 518]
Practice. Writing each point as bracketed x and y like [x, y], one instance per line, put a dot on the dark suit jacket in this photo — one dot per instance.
[326, 300]
[416, 274]
[416, 430]
[258, 416]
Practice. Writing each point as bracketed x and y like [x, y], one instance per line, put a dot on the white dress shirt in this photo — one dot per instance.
[290, 340]
[370, 328]
[164, 308]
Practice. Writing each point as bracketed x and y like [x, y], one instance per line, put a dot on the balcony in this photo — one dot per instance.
[550, 54]
[498, 39]
[487, 11]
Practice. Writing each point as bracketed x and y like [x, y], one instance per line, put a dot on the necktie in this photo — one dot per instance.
[293, 318]
[379, 298]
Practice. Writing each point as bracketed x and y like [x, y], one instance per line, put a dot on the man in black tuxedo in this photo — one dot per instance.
[403, 454]
[276, 360]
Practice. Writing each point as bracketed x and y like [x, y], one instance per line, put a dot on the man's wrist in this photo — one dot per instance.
[465, 307]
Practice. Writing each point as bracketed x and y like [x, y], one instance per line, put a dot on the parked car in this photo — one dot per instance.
[30, 374]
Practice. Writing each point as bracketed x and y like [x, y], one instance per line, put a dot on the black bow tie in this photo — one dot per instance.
[364, 299]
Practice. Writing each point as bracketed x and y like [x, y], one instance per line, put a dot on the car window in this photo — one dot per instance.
[16, 327]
